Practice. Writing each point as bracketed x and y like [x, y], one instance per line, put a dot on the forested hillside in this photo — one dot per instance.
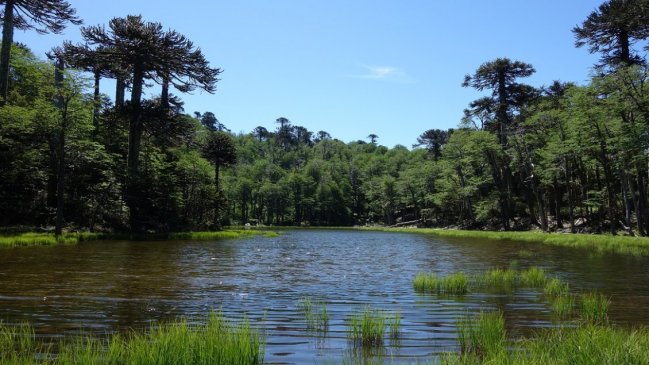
[560, 157]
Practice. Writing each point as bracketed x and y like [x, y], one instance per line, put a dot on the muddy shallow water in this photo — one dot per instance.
[102, 287]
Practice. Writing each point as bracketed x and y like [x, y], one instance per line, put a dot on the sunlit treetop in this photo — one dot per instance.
[613, 29]
[43, 16]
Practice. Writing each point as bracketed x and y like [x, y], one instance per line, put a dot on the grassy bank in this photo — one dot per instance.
[48, 239]
[482, 341]
[602, 243]
[215, 342]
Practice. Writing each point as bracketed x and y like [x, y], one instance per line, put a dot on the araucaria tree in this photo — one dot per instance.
[612, 30]
[43, 16]
[149, 53]
[507, 95]
[499, 113]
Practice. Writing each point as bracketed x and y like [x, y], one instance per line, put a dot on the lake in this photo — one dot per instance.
[108, 286]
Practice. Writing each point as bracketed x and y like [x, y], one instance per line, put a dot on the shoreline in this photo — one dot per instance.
[636, 246]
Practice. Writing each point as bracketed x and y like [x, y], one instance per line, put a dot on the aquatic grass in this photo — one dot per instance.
[216, 235]
[316, 315]
[555, 287]
[367, 328]
[534, 277]
[513, 264]
[587, 345]
[525, 254]
[594, 308]
[563, 306]
[395, 324]
[18, 344]
[46, 239]
[457, 283]
[483, 334]
[498, 279]
[215, 342]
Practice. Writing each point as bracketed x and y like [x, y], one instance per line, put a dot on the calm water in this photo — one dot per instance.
[103, 287]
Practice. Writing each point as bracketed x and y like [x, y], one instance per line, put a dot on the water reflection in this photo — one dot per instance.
[112, 286]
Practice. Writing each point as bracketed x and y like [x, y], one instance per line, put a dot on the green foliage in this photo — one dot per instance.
[45, 239]
[395, 323]
[316, 315]
[533, 277]
[482, 335]
[594, 308]
[563, 158]
[563, 306]
[586, 344]
[217, 341]
[431, 283]
[367, 328]
[555, 287]
[499, 279]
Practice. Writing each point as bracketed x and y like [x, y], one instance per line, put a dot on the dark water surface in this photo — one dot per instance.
[102, 287]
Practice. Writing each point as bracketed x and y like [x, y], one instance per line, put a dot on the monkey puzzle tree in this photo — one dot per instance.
[42, 16]
[220, 150]
[507, 96]
[498, 113]
[612, 30]
[151, 53]
[434, 140]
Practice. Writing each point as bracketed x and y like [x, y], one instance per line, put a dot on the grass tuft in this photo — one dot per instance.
[594, 308]
[457, 283]
[533, 277]
[367, 328]
[498, 279]
[563, 305]
[395, 324]
[482, 335]
[316, 315]
[555, 287]
[525, 254]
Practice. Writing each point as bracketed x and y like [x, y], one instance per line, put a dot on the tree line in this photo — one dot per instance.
[560, 157]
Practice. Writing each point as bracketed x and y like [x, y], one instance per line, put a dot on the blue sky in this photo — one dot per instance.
[354, 67]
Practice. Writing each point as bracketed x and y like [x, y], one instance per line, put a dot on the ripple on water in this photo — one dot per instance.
[113, 287]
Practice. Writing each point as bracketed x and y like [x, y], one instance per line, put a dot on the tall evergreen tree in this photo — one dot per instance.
[43, 16]
[612, 30]
[507, 99]
[165, 57]
[507, 95]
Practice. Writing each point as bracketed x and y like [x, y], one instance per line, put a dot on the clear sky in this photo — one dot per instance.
[354, 67]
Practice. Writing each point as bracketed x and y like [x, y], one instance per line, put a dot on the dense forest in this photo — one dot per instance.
[563, 157]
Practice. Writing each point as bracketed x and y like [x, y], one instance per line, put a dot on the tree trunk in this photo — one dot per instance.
[60, 178]
[96, 101]
[134, 141]
[643, 212]
[217, 169]
[624, 184]
[164, 96]
[120, 86]
[625, 53]
[557, 204]
[60, 182]
[5, 51]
